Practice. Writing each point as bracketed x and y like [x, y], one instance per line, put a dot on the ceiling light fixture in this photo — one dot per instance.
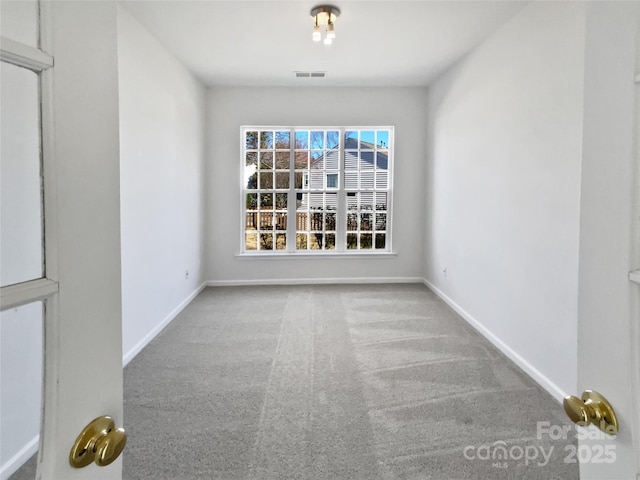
[324, 15]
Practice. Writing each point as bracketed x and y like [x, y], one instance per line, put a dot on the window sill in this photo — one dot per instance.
[316, 256]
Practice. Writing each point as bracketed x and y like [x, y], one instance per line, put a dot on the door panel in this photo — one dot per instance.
[83, 355]
[21, 374]
[21, 246]
[605, 345]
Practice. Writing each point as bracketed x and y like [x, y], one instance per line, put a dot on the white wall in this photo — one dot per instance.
[505, 145]
[21, 246]
[229, 108]
[21, 390]
[162, 125]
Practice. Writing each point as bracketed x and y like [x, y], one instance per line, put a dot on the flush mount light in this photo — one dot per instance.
[324, 15]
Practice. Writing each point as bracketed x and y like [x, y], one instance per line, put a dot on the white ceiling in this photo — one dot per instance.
[378, 43]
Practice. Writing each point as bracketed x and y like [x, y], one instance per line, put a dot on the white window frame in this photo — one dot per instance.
[341, 191]
[39, 289]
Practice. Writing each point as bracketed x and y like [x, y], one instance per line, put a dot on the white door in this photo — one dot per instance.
[608, 323]
[81, 284]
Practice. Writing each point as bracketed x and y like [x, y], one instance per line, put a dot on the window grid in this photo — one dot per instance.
[267, 162]
[339, 191]
[366, 174]
[317, 153]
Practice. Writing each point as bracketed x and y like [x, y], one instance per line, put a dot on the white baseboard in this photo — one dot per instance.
[137, 348]
[14, 463]
[312, 281]
[533, 372]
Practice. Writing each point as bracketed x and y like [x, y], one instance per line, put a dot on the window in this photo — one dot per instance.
[316, 189]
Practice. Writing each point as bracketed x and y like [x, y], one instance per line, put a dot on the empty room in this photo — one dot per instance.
[304, 240]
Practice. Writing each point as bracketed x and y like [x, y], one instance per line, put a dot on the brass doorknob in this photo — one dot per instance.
[99, 442]
[592, 408]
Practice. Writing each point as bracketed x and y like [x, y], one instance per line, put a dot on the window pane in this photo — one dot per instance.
[266, 241]
[252, 201]
[351, 139]
[266, 161]
[266, 140]
[366, 180]
[281, 241]
[281, 221]
[351, 180]
[381, 201]
[352, 241]
[366, 241]
[316, 201]
[302, 200]
[332, 180]
[317, 140]
[315, 241]
[281, 201]
[21, 245]
[252, 160]
[19, 22]
[380, 241]
[382, 178]
[366, 201]
[382, 139]
[352, 221]
[367, 139]
[317, 160]
[330, 221]
[366, 161]
[251, 241]
[302, 160]
[332, 160]
[332, 201]
[366, 221]
[251, 140]
[302, 139]
[302, 221]
[266, 201]
[351, 160]
[316, 180]
[333, 140]
[266, 180]
[266, 221]
[251, 182]
[301, 241]
[382, 160]
[330, 243]
[21, 347]
[352, 201]
[282, 180]
[282, 160]
[283, 140]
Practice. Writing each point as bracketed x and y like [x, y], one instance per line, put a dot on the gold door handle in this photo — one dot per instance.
[592, 408]
[99, 442]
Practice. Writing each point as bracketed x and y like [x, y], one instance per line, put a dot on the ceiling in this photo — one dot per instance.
[378, 43]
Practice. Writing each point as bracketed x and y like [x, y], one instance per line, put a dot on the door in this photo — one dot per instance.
[76, 61]
[608, 323]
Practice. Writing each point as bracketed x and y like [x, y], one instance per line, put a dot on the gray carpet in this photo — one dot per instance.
[332, 382]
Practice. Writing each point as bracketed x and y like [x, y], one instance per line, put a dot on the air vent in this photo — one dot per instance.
[310, 74]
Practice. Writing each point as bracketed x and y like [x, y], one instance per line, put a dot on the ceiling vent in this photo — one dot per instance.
[310, 74]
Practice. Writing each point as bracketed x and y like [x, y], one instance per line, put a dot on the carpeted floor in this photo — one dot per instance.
[333, 382]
